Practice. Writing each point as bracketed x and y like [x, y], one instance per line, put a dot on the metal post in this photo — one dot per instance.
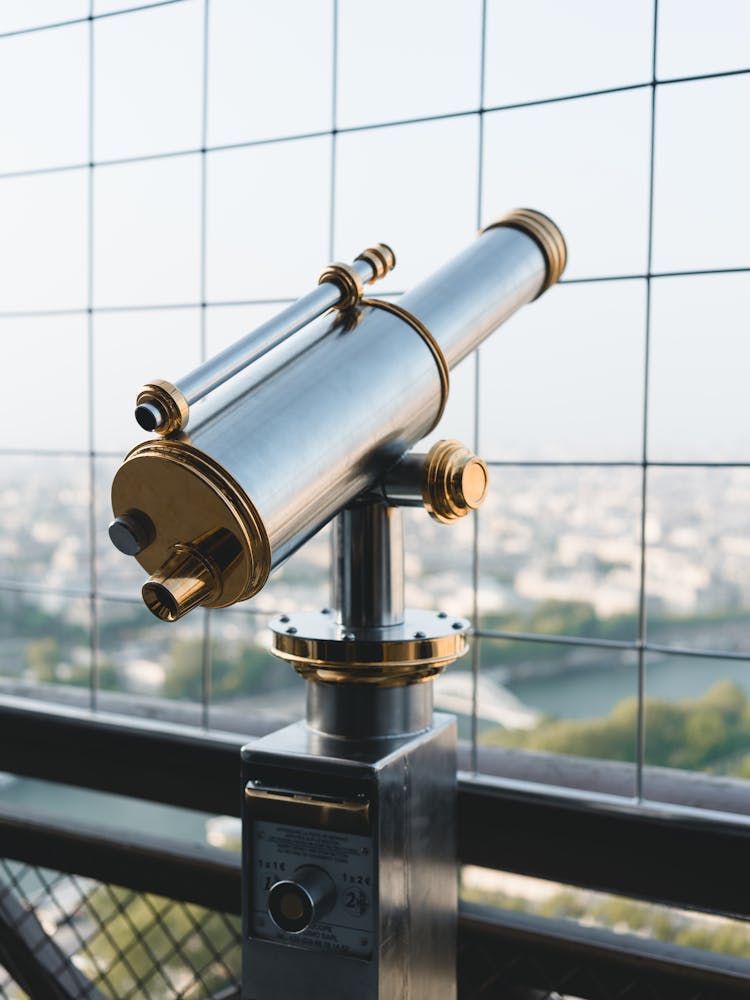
[350, 882]
[368, 566]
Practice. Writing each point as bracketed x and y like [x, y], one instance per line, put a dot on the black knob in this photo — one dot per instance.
[132, 532]
[297, 903]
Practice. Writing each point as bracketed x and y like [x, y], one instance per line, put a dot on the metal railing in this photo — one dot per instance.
[688, 859]
[87, 914]
[679, 856]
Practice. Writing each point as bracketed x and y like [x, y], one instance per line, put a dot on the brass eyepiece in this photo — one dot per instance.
[545, 234]
[192, 575]
[381, 258]
[454, 481]
[161, 407]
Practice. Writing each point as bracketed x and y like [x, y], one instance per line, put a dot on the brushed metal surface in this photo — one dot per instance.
[359, 711]
[368, 566]
[410, 784]
[254, 345]
[313, 435]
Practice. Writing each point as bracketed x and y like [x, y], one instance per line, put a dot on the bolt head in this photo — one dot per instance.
[131, 533]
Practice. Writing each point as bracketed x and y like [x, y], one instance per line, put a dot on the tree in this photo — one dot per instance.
[42, 657]
[693, 733]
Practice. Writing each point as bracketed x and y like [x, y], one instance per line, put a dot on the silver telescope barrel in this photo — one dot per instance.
[266, 464]
[164, 407]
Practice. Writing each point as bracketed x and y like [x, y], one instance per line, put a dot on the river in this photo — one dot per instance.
[573, 694]
[579, 694]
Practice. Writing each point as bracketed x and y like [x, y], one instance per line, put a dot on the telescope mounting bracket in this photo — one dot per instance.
[368, 640]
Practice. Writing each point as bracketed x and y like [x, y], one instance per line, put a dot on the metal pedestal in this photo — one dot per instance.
[349, 863]
[377, 819]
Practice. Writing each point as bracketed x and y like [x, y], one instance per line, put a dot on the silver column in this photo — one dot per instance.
[368, 566]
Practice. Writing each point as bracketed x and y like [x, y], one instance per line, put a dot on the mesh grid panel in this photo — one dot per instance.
[651, 82]
[102, 940]
[97, 941]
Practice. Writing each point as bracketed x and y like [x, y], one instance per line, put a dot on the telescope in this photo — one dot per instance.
[349, 866]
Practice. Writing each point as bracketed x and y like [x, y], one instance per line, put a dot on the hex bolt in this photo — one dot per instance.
[420, 635]
[291, 630]
[284, 619]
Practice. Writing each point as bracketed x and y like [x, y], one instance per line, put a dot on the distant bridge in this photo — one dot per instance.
[454, 692]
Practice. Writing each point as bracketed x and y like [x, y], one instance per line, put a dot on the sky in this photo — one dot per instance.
[563, 381]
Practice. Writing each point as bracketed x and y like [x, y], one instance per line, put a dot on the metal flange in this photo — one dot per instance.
[321, 649]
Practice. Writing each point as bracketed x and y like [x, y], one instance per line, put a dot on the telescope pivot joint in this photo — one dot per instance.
[450, 481]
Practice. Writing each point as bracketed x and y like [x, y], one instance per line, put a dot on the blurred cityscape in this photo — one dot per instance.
[559, 554]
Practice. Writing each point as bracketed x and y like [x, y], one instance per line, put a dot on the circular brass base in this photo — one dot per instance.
[320, 649]
[188, 498]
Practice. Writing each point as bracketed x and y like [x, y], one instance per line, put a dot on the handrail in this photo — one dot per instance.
[522, 950]
[510, 825]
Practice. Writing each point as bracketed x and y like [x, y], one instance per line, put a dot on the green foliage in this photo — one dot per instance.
[741, 767]
[184, 676]
[251, 670]
[42, 656]
[135, 946]
[693, 733]
[18, 618]
[578, 618]
[625, 915]
[557, 618]
[731, 939]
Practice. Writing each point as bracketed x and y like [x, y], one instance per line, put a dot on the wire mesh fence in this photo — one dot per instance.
[97, 940]
[339, 129]
[70, 937]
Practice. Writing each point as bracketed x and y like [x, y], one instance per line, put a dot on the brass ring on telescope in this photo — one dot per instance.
[427, 337]
[380, 258]
[169, 400]
[348, 281]
[545, 234]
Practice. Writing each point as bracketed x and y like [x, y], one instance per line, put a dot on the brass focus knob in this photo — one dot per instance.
[454, 481]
